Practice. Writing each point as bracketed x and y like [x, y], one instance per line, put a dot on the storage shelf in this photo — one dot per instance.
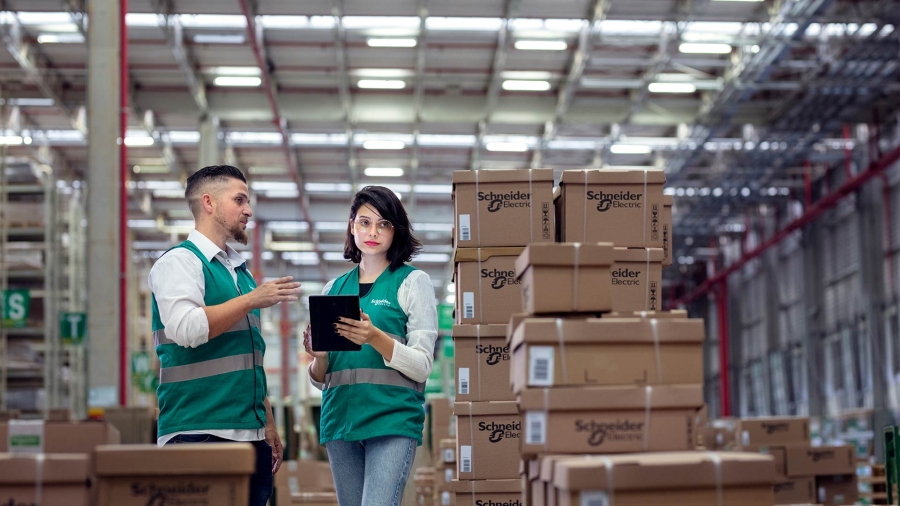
[26, 331]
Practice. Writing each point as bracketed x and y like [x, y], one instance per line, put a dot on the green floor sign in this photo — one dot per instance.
[15, 305]
[72, 327]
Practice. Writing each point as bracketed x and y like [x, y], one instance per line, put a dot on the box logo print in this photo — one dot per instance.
[495, 353]
[819, 455]
[501, 431]
[625, 276]
[498, 201]
[620, 431]
[772, 428]
[618, 200]
[499, 278]
[489, 502]
[176, 493]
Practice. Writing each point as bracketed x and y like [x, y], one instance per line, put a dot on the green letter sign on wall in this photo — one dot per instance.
[15, 305]
[72, 327]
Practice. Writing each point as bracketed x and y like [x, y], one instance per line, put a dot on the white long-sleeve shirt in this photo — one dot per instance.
[178, 285]
[415, 358]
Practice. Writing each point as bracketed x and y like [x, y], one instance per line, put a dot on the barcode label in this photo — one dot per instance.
[448, 455]
[448, 475]
[823, 496]
[468, 305]
[463, 376]
[294, 484]
[445, 498]
[465, 459]
[540, 370]
[465, 227]
[536, 427]
[453, 426]
[594, 499]
[745, 438]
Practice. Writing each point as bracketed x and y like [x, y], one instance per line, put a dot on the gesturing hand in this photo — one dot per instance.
[272, 292]
[360, 332]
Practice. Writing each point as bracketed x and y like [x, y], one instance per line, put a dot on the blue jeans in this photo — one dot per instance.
[261, 482]
[371, 472]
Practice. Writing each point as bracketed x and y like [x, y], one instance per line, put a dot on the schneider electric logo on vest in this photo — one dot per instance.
[381, 302]
[625, 276]
[498, 201]
[617, 200]
[616, 432]
[499, 278]
[495, 353]
[501, 431]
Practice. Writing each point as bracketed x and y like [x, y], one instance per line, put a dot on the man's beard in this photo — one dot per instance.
[236, 232]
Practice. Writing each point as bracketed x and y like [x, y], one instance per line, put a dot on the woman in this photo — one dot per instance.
[372, 418]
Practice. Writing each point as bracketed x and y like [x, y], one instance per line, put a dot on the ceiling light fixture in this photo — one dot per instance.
[235, 71]
[381, 84]
[62, 38]
[211, 38]
[383, 172]
[672, 88]
[138, 141]
[513, 85]
[237, 81]
[630, 149]
[541, 45]
[702, 48]
[387, 42]
[384, 145]
[10, 140]
[509, 147]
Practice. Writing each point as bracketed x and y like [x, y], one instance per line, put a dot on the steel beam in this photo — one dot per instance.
[170, 25]
[418, 98]
[340, 53]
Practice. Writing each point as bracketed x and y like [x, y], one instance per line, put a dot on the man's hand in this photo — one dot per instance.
[275, 442]
[270, 293]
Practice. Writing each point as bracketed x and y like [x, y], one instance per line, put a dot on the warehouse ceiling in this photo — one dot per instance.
[313, 97]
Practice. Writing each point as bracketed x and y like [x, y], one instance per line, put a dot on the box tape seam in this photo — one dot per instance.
[575, 287]
[720, 493]
[584, 221]
[531, 203]
[647, 282]
[477, 359]
[477, 214]
[608, 464]
[546, 416]
[654, 326]
[644, 224]
[38, 478]
[562, 350]
[647, 403]
[472, 457]
[480, 292]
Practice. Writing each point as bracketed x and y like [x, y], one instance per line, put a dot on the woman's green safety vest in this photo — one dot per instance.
[363, 398]
[220, 384]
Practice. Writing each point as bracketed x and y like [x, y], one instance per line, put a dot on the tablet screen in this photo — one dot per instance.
[324, 311]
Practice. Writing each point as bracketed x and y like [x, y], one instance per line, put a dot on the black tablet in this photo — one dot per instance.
[324, 311]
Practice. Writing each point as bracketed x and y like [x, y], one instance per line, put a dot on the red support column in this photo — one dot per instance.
[123, 203]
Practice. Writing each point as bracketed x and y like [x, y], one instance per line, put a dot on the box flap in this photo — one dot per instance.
[447, 444]
[173, 460]
[660, 471]
[473, 331]
[502, 176]
[638, 254]
[483, 254]
[613, 176]
[668, 201]
[56, 468]
[486, 408]
[611, 398]
[608, 330]
[659, 315]
[589, 255]
[486, 486]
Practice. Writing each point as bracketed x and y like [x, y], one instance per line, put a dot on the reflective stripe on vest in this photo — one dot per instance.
[395, 337]
[388, 377]
[159, 336]
[212, 367]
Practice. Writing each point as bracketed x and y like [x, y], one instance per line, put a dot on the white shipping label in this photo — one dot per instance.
[294, 484]
[448, 455]
[536, 427]
[465, 227]
[468, 305]
[463, 376]
[445, 498]
[26, 436]
[465, 459]
[540, 366]
[745, 438]
[822, 495]
[594, 498]
[448, 475]
[453, 426]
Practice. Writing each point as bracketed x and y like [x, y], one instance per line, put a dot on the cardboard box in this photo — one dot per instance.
[447, 452]
[548, 352]
[689, 478]
[820, 461]
[442, 424]
[487, 290]
[543, 492]
[771, 431]
[301, 476]
[597, 420]
[795, 491]
[315, 498]
[445, 498]
[637, 279]
[566, 278]
[503, 207]
[842, 489]
[135, 475]
[488, 492]
[667, 230]
[779, 453]
[63, 479]
[35, 436]
[659, 315]
[446, 476]
[489, 437]
[623, 207]
[136, 425]
[482, 363]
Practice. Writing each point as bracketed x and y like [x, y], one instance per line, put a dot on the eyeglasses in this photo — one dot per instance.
[382, 226]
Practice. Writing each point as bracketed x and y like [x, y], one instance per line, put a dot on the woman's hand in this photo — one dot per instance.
[307, 345]
[360, 332]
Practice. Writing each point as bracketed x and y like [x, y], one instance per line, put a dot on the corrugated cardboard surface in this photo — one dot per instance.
[63, 479]
[836, 490]
[489, 440]
[296, 476]
[565, 278]
[487, 291]
[612, 398]
[482, 363]
[136, 425]
[667, 230]
[795, 491]
[731, 496]
[772, 431]
[442, 424]
[659, 315]
[779, 453]
[636, 278]
[69, 437]
[447, 452]
[819, 461]
[606, 351]
[618, 206]
[315, 498]
[503, 207]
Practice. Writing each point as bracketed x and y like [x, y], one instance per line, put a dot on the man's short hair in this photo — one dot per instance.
[199, 182]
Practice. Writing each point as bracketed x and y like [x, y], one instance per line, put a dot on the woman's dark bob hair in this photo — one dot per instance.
[404, 246]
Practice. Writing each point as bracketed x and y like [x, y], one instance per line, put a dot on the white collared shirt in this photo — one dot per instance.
[178, 285]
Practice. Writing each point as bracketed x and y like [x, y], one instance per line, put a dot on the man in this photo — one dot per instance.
[212, 385]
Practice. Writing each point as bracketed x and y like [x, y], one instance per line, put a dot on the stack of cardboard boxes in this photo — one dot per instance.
[497, 214]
